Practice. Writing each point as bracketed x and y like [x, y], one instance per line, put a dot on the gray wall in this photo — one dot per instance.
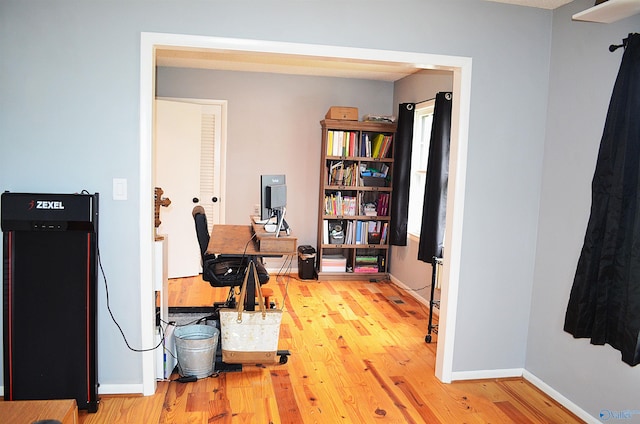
[69, 121]
[283, 134]
[583, 73]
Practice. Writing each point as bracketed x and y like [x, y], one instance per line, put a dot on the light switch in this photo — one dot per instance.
[119, 189]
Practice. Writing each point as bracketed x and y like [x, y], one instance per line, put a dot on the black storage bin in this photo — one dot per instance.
[306, 262]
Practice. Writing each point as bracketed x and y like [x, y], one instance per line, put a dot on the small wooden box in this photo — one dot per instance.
[343, 113]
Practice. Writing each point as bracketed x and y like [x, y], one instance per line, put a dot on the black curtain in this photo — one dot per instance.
[401, 175]
[604, 304]
[434, 208]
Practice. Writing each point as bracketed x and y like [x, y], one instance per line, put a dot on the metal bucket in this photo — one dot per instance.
[196, 349]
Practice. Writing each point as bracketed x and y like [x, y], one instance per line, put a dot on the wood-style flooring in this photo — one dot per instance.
[358, 355]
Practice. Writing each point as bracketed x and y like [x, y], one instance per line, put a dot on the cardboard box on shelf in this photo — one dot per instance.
[343, 113]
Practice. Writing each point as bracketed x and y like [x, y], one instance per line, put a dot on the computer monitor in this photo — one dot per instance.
[273, 202]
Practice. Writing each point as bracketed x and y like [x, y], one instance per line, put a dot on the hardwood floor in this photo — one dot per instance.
[358, 355]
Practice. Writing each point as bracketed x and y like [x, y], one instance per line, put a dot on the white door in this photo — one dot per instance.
[187, 168]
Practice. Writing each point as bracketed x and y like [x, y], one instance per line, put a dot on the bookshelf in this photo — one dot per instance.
[354, 199]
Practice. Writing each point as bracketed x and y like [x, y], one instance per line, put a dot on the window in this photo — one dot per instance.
[423, 117]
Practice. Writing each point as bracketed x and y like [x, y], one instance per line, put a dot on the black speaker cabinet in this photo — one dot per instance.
[50, 275]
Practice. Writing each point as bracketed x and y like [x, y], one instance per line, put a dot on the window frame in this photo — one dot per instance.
[419, 159]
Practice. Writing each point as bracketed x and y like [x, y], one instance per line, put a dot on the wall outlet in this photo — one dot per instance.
[256, 209]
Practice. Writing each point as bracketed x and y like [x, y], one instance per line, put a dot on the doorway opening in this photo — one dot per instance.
[461, 70]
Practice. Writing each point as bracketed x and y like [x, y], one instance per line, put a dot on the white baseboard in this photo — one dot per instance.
[558, 397]
[486, 374]
[111, 389]
[120, 389]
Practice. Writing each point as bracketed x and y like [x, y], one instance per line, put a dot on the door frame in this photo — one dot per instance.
[461, 69]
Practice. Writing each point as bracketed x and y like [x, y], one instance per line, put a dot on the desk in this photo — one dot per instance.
[250, 241]
[283, 245]
[235, 240]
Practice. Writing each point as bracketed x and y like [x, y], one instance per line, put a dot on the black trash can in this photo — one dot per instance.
[306, 262]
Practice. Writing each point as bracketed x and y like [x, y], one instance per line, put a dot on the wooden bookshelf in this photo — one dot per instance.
[354, 199]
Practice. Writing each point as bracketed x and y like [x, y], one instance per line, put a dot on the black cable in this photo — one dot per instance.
[106, 288]
[418, 289]
[286, 265]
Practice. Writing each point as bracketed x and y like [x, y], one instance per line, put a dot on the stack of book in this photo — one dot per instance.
[339, 173]
[341, 143]
[376, 146]
[337, 204]
[382, 205]
[366, 264]
[364, 230]
[333, 263]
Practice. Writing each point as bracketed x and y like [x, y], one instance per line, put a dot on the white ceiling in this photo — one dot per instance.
[304, 65]
[284, 63]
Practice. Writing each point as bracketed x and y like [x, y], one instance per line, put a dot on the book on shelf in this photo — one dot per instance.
[365, 149]
[368, 232]
[333, 263]
[386, 146]
[341, 143]
[366, 269]
[337, 204]
[350, 232]
[353, 148]
[337, 143]
[325, 231]
[366, 259]
[368, 263]
[382, 204]
[340, 173]
[385, 230]
[376, 145]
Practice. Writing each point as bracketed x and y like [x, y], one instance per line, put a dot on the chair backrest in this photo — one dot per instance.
[202, 229]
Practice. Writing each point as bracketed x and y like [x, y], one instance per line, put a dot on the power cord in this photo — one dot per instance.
[106, 287]
[285, 269]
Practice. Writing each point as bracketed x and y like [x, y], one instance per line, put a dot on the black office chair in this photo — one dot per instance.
[223, 270]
